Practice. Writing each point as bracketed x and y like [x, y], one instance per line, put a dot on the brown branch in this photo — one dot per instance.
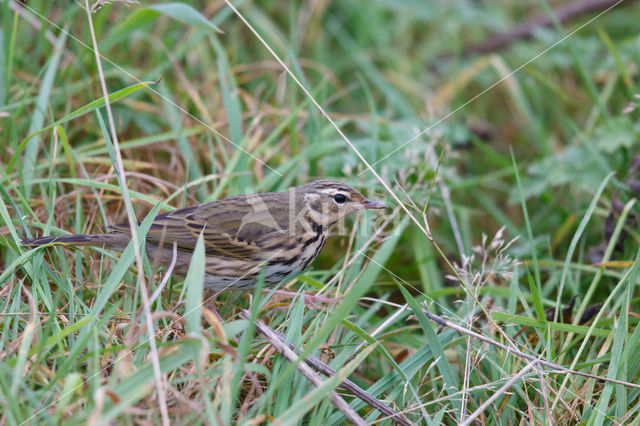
[526, 29]
[556, 367]
[277, 341]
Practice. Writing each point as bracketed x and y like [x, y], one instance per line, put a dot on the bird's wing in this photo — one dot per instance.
[233, 227]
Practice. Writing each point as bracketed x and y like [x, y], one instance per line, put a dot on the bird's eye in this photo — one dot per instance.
[339, 198]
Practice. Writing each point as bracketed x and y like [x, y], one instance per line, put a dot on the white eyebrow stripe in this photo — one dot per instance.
[334, 192]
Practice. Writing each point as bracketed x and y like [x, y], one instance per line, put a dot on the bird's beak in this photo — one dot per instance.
[368, 204]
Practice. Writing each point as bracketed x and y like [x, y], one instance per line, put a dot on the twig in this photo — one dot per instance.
[352, 387]
[525, 30]
[498, 393]
[273, 338]
[559, 368]
[543, 392]
[379, 329]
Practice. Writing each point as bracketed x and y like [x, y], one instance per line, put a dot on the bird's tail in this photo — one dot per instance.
[115, 241]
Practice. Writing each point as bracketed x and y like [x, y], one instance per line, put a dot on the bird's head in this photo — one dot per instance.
[329, 201]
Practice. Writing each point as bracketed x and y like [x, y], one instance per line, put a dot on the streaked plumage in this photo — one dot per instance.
[282, 232]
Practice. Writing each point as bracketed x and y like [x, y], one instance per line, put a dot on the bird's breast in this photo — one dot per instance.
[311, 248]
[296, 253]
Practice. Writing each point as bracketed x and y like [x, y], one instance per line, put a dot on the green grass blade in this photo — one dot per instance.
[194, 282]
[92, 106]
[37, 119]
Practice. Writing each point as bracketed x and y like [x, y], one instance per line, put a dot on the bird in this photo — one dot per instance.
[280, 232]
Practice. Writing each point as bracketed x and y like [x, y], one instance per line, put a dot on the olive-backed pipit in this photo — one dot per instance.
[280, 232]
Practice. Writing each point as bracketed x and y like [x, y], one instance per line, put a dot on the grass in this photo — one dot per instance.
[522, 162]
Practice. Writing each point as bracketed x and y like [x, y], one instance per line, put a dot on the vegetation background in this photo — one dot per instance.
[535, 140]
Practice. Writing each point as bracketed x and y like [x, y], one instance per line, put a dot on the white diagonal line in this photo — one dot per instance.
[153, 90]
[326, 115]
[589, 22]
